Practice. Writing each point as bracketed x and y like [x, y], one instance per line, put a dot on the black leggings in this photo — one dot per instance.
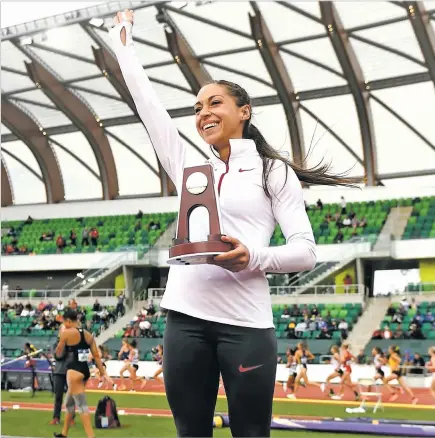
[195, 351]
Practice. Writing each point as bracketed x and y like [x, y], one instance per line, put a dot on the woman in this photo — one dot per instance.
[302, 357]
[76, 344]
[123, 356]
[431, 368]
[159, 358]
[104, 356]
[396, 374]
[219, 314]
[134, 366]
[338, 372]
[346, 360]
[292, 373]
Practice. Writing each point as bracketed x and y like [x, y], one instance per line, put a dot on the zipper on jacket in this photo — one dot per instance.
[227, 168]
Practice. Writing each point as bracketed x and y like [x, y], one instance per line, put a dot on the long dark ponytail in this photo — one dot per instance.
[319, 174]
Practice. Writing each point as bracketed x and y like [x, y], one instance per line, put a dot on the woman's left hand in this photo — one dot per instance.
[234, 260]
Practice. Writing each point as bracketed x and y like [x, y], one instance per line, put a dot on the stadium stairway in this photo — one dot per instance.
[394, 227]
[119, 324]
[372, 316]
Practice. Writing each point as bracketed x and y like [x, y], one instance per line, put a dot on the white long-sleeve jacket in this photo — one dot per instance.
[206, 291]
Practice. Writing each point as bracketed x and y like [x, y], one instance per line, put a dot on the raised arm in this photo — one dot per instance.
[161, 129]
[299, 252]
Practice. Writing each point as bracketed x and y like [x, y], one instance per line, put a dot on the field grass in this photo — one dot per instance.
[27, 423]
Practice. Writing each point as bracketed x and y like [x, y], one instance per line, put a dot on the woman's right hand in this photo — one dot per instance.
[127, 15]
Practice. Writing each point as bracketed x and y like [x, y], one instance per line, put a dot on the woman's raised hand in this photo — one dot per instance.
[126, 15]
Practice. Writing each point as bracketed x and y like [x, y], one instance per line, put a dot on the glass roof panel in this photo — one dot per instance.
[379, 64]
[339, 114]
[4, 129]
[251, 62]
[186, 125]
[279, 17]
[310, 7]
[172, 98]
[360, 13]
[37, 95]
[237, 19]
[137, 138]
[12, 57]
[146, 54]
[104, 107]
[254, 88]
[415, 181]
[319, 50]
[398, 148]
[306, 76]
[101, 84]
[134, 177]
[169, 73]
[26, 188]
[147, 27]
[14, 82]
[79, 182]
[72, 39]
[46, 117]
[271, 121]
[204, 38]
[399, 36]
[327, 149]
[65, 67]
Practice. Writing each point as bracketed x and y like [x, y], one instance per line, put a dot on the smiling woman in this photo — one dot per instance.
[220, 319]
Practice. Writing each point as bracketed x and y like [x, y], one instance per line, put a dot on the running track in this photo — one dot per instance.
[309, 395]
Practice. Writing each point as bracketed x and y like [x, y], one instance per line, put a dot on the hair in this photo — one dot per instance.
[431, 351]
[395, 349]
[70, 314]
[335, 348]
[319, 174]
[133, 343]
[378, 350]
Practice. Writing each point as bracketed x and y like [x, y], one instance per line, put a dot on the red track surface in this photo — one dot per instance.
[310, 393]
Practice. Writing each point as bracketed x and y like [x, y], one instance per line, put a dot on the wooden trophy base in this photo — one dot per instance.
[196, 253]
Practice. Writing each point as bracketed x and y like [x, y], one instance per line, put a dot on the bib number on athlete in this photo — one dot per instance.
[84, 355]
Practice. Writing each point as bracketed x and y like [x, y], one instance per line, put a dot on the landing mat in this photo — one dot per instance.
[355, 426]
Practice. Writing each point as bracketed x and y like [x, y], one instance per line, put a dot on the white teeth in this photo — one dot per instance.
[209, 125]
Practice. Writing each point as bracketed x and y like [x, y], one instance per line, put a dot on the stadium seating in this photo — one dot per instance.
[16, 329]
[421, 224]
[427, 328]
[114, 232]
[348, 312]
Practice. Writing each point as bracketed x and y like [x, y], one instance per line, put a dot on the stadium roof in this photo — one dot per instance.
[354, 79]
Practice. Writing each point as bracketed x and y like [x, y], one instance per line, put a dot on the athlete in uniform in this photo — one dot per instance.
[75, 345]
[431, 368]
[337, 371]
[292, 373]
[134, 366]
[124, 355]
[302, 357]
[396, 374]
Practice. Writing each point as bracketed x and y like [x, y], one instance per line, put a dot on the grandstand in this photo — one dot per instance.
[85, 200]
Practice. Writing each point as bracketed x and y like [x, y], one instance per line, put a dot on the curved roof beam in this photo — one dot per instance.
[29, 132]
[281, 80]
[82, 116]
[7, 196]
[24, 164]
[353, 72]
[424, 33]
[191, 68]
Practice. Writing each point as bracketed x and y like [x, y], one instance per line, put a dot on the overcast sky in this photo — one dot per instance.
[13, 12]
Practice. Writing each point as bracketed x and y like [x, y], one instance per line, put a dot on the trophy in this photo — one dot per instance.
[198, 190]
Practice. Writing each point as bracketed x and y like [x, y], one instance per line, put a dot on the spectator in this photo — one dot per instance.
[429, 317]
[319, 204]
[343, 327]
[361, 358]
[120, 309]
[85, 237]
[348, 281]
[94, 236]
[343, 205]
[97, 306]
[291, 333]
[300, 329]
[324, 334]
[415, 332]
[60, 243]
[73, 237]
[387, 333]
[339, 237]
[399, 334]
[418, 362]
[285, 312]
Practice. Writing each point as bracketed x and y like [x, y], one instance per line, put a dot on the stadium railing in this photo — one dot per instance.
[43, 294]
[353, 289]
